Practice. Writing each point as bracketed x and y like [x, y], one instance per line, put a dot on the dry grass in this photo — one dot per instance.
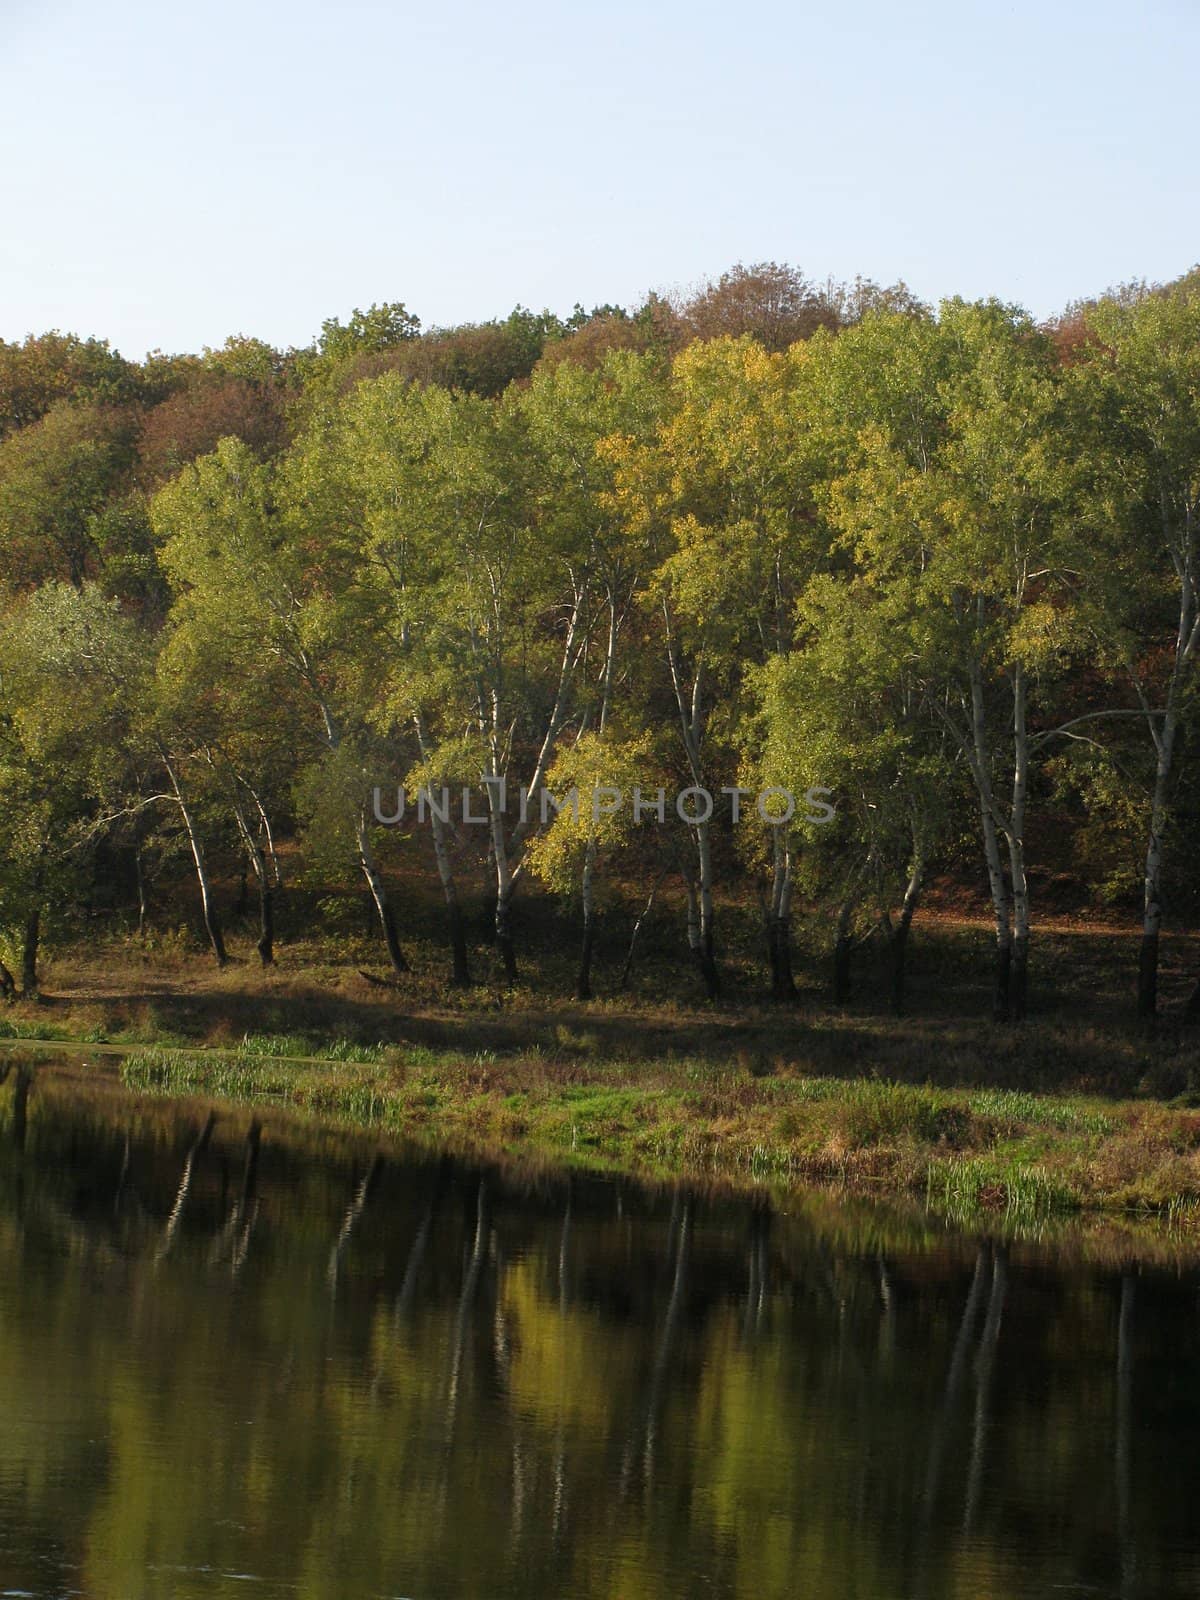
[656, 1079]
[1008, 1151]
[1079, 1038]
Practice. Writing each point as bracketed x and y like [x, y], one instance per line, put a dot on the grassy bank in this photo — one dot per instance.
[966, 1149]
[1079, 1039]
[1074, 1109]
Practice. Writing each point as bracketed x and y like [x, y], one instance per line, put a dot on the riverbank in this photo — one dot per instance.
[1054, 1115]
[747, 1123]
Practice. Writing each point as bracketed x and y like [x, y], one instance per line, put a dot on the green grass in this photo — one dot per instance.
[961, 1187]
[19, 1028]
[967, 1151]
[1041, 1111]
[301, 1045]
[1068, 1109]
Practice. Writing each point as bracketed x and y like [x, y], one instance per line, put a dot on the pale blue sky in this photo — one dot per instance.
[175, 173]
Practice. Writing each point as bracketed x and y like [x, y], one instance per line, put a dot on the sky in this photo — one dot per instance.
[175, 174]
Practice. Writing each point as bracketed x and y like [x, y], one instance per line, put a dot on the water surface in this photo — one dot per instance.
[287, 1362]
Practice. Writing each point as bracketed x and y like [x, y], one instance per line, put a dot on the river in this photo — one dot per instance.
[266, 1358]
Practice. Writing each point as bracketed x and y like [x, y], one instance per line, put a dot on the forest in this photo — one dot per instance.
[943, 563]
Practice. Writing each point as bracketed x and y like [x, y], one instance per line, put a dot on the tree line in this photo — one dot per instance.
[941, 562]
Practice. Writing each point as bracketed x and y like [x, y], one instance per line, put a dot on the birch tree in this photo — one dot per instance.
[723, 492]
[67, 663]
[948, 501]
[252, 579]
[1138, 387]
[846, 713]
[362, 477]
[579, 422]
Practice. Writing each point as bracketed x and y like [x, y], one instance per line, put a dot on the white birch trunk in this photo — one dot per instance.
[211, 922]
[1016, 847]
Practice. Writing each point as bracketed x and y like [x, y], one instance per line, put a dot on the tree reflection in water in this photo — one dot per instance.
[339, 1367]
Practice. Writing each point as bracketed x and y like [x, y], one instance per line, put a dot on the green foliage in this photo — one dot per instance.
[777, 535]
[378, 328]
[48, 367]
[586, 769]
[56, 476]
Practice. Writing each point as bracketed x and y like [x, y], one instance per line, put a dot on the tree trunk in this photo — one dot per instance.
[29, 952]
[1002, 978]
[627, 969]
[504, 935]
[211, 922]
[461, 970]
[366, 859]
[1018, 988]
[1191, 1012]
[843, 943]
[140, 879]
[1147, 995]
[391, 939]
[1187, 641]
[1003, 918]
[506, 881]
[461, 973]
[1018, 993]
[900, 932]
[779, 920]
[507, 850]
[708, 957]
[33, 927]
[779, 950]
[699, 938]
[8, 987]
[266, 923]
[266, 892]
[709, 970]
[583, 980]
[899, 956]
[379, 897]
[1147, 992]
[1001, 904]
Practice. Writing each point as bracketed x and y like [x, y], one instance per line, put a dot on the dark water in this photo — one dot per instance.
[343, 1371]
